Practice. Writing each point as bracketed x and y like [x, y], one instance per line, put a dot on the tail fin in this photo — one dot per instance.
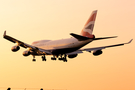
[88, 27]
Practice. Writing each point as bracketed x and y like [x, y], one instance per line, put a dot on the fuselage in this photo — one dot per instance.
[61, 46]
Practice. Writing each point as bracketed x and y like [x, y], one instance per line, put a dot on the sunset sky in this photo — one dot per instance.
[32, 20]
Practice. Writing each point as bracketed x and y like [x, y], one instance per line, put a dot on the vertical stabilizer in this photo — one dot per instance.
[88, 27]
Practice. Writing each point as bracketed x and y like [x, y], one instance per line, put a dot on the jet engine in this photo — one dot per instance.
[97, 52]
[26, 53]
[15, 48]
[72, 56]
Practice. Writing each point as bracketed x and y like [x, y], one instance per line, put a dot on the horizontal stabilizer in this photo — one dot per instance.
[79, 38]
[104, 38]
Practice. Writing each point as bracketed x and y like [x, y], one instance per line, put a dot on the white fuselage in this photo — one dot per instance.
[69, 43]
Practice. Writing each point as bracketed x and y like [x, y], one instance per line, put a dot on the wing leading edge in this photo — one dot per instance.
[97, 48]
[24, 45]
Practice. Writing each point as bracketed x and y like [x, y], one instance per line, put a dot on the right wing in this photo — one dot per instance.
[97, 48]
[39, 51]
[103, 47]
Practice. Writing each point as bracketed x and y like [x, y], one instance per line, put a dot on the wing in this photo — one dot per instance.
[39, 51]
[97, 48]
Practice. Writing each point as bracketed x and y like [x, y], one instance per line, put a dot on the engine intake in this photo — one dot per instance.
[26, 53]
[72, 56]
[15, 48]
[97, 52]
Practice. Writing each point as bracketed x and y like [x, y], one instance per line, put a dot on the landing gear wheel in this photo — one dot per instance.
[33, 60]
[53, 58]
[61, 59]
[64, 60]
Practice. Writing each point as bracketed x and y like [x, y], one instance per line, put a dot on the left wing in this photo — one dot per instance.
[24, 45]
[97, 48]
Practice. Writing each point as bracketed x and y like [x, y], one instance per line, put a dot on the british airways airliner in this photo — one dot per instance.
[63, 48]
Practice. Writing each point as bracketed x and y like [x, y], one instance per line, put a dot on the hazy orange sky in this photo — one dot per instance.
[31, 20]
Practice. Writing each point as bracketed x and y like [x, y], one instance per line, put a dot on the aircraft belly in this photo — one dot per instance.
[69, 48]
[63, 51]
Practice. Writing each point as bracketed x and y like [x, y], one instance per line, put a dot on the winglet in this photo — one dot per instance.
[4, 33]
[130, 41]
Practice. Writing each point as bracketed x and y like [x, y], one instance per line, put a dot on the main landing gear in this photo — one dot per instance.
[33, 59]
[43, 58]
[62, 58]
[53, 58]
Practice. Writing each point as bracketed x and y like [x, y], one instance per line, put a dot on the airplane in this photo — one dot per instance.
[63, 48]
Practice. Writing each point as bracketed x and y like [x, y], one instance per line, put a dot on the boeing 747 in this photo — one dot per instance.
[64, 48]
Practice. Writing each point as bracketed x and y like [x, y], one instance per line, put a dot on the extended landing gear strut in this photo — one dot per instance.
[43, 58]
[61, 57]
[33, 59]
[64, 58]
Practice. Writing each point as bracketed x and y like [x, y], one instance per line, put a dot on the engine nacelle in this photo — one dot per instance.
[26, 53]
[15, 48]
[72, 56]
[97, 52]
